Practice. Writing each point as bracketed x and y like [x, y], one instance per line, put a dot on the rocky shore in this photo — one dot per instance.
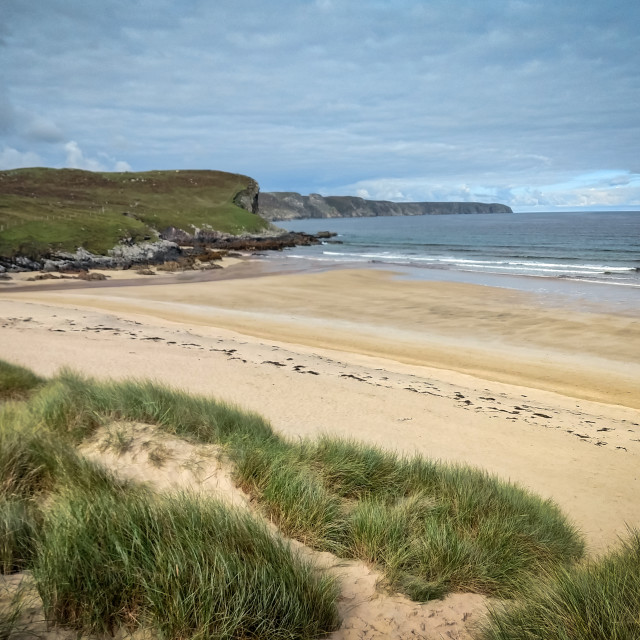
[173, 246]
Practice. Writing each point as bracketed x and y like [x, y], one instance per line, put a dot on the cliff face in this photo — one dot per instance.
[293, 206]
[248, 198]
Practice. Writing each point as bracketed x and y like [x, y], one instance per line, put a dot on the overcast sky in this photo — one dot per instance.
[534, 103]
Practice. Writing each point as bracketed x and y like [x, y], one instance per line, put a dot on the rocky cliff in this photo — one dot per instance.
[292, 206]
[248, 198]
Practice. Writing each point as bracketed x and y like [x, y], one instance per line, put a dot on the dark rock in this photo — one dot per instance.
[179, 236]
[204, 246]
[84, 275]
[46, 276]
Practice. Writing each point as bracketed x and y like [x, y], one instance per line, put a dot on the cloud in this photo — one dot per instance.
[13, 159]
[398, 99]
[121, 166]
[43, 130]
[596, 190]
[76, 159]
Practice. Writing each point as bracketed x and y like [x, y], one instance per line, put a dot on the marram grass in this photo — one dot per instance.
[430, 527]
[11, 608]
[16, 382]
[598, 600]
[106, 554]
[19, 521]
[181, 566]
[463, 530]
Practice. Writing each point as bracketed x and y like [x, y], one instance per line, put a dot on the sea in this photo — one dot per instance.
[591, 255]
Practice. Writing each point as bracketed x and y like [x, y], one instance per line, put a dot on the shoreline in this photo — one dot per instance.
[492, 333]
[584, 294]
[305, 351]
[624, 297]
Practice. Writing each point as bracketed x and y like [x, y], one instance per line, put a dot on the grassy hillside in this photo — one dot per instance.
[62, 209]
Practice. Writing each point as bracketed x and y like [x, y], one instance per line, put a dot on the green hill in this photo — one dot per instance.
[45, 210]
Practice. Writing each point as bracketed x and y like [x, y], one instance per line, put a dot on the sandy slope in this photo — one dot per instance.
[366, 610]
[492, 333]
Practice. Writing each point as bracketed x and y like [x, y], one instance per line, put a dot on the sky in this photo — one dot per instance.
[532, 103]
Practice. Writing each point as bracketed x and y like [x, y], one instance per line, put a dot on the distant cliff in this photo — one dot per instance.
[287, 205]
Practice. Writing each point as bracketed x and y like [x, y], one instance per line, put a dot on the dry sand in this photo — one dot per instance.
[535, 391]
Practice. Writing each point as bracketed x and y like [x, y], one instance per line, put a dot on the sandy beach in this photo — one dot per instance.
[538, 392]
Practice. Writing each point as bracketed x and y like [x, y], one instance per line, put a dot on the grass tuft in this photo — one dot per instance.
[16, 383]
[181, 565]
[19, 524]
[599, 600]
[158, 455]
[118, 440]
[431, 528]
[11, 608]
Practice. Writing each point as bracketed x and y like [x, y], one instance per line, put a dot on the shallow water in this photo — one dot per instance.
[586, 256]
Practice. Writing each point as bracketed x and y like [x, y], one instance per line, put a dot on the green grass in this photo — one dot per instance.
[181, 566]
[117, 440]
[96, 233]
[107, 554]
[431, 528]
[158, 455]
[43, 210]
[19, 521]
[34, 463]
[599, 600]
[11, 609]
[16, 382]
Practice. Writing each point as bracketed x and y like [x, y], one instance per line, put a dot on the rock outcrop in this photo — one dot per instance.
[287, 205]
[177, 246]
[248, 197]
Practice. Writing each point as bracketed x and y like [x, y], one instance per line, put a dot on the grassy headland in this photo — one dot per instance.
[44, 210]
